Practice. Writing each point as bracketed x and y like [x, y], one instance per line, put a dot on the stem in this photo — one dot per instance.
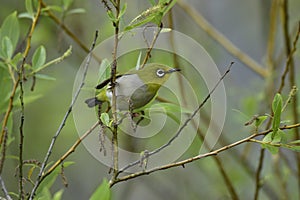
[114, 98]
[41, 177]
[200, 156]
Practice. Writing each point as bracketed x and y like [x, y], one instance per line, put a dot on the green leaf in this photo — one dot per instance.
[45, 77]
[16, 59]
[105, 119]
[104, 70]
[267, 143]
[276, 108]
[39, 58]
[5, 85]
[53, 8]
[260, 119]
[29, 8]
[7, 48]
[49, 180]
[102, 192]
[123, 10]
[67, 4]
[76, 11]
[11, 29]
[58, 195]
[25, 15]
[111, 16]
[295, 142]
[293, 148]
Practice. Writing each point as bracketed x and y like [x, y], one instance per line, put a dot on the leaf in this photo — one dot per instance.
[153, 14]
[49, 180]
[276, 108]
[58, 195]
[104, 70]
[67, 4]
[267, 143]
[11, 29]
[272, 149]
[5, 85]
[6, 48]
[123, 10]
[29, 8]
[45, 77]
[76, 11]
[102, 192]
[293, 148]
[105, 119]
[25, 15]
[16, 59]
[111, 16]
[260, 119]
[39, 58]
[295, 142]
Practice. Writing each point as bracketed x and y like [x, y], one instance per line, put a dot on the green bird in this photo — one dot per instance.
[134, 89]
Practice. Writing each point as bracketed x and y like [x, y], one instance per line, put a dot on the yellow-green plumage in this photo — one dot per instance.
[136, 88]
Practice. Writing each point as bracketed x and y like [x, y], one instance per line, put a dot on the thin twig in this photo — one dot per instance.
[258, 172]
[184, 124]
[201, 156]
[221, 39]
[148, 54]
[291, 68]
[217, 160]
[7, 196]
[61, 126]
[70, 151]
[115, 147]
[289, 60]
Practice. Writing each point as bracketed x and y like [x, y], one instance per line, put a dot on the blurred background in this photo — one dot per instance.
[245, 23]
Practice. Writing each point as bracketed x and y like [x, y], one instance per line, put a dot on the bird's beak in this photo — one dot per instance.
[173, 70]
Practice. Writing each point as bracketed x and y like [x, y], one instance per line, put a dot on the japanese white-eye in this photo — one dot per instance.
[134, 89]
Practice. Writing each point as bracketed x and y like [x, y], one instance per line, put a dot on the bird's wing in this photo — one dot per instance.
[105, 82]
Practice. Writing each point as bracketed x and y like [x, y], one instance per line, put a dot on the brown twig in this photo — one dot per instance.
[148, 54]
[186, 122]
[61, 126]
[217, 160]
[290, 67]
[115, 147]
[258, 172]
[201, 156]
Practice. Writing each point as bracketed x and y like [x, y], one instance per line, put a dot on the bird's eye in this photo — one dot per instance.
[160, 73]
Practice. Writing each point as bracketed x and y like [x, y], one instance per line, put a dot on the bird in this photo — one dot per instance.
[134, 89]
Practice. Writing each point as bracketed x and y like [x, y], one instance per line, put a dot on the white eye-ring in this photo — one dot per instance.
[160, 73]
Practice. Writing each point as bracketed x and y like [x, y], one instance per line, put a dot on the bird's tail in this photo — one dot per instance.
[92, 102]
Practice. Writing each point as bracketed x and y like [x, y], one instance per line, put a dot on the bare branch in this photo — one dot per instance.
[61, 126]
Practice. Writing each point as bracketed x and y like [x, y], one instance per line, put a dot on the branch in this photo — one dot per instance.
[113, 73]
[40, 175]
[188, 120]
[4, 189]
[201, 156]
[148, 54]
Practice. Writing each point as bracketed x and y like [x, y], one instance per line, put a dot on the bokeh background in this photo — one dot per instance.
[244, 23]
